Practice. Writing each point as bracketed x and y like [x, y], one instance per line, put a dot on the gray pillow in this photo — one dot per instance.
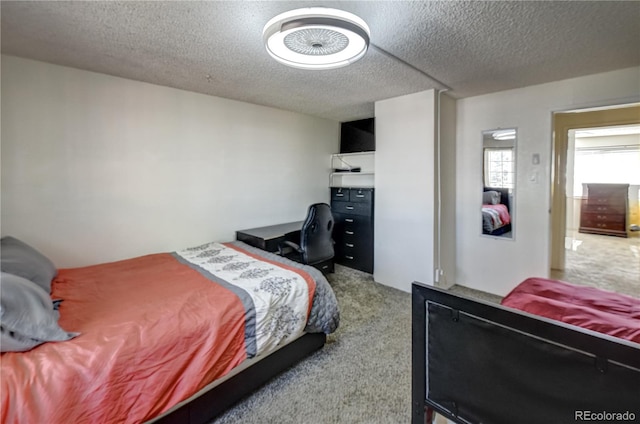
[490, 197]
[27, 318]
[19, 258]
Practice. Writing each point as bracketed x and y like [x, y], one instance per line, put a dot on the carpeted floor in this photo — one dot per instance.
[607, 262]
[362, 375]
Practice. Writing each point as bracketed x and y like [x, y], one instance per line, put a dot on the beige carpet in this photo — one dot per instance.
[361, 376]
[363, 373]
[607, 262]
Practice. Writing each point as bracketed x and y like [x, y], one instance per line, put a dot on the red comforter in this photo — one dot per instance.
[598, 310]
[153, 331]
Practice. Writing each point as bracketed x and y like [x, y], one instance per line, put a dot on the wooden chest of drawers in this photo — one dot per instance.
[604, 209]
[352, 210]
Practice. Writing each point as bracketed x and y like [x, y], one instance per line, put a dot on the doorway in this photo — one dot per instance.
[583, 148]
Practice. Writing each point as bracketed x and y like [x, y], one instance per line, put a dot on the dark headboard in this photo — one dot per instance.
[476, 362]
[504, 195]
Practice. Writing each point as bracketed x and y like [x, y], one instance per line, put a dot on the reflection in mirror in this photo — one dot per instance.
[499, 182]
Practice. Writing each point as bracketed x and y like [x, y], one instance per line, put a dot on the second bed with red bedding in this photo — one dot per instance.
[606, 312]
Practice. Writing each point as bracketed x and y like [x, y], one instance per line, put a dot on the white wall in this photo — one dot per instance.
[404, 181]
[446, 247]
[497, 265]
[98, 168]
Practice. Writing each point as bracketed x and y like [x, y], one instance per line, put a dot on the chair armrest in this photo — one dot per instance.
[291, 244]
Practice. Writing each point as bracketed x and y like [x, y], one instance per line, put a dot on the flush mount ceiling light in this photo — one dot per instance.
[316, 38]
[504, 135]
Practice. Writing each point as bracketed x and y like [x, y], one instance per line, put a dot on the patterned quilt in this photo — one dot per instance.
[276, 294]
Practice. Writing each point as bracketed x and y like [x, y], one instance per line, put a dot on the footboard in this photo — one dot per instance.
[476, 362]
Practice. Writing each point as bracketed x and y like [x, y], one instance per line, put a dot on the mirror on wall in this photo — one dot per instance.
[499, 182]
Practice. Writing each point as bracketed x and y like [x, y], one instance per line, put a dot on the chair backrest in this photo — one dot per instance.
[316, 242]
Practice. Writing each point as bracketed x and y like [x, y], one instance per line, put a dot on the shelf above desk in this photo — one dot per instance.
[363, 179]
[351, 179]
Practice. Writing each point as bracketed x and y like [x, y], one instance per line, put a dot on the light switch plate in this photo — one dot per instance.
[535, 159]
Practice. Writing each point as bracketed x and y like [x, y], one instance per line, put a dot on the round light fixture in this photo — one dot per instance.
[316, 38]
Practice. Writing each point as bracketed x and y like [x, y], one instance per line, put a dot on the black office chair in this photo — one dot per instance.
[316, 243]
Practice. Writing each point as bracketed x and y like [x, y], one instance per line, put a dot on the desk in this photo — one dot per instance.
[268, 238]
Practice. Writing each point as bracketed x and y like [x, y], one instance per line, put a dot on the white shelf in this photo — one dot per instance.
[354, 154]
[363, 179]
[353, 173]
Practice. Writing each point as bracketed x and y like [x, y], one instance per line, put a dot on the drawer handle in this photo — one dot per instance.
[339, 195]
[359, 195]
[348, 257]
[348, 219]
[602, 216]
[349, 232]
[349, 207]
[349, 244]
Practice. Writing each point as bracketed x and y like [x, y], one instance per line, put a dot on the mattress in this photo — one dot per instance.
[157, 329]
[602, 311]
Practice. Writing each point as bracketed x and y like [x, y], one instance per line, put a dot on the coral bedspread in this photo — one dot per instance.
[153, 331]
[598, 310]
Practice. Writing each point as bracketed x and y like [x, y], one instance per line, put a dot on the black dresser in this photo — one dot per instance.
[352, 210]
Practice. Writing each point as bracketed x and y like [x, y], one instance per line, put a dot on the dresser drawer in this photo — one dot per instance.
[361, 195]
[354, 195]
[354, 246]
[353, 229]
[599, 208]
[339, 194]
[351, 208]
[608, 191]
[354, 258]
[593, 217]
[353, 224]
[362, 238]
[599, 225]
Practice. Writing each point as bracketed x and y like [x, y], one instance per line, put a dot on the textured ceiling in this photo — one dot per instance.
[216, 47]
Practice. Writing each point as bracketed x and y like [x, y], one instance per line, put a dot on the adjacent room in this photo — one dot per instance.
[603, 245]
[338, 212]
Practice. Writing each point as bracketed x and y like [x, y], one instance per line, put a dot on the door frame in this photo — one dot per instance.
[563, 122]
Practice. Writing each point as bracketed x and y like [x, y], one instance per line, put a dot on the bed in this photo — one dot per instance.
[171, 337]
[496, 211]
[477, 362]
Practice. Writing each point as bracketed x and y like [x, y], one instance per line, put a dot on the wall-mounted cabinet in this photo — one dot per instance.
[352, 169]
[358, 136]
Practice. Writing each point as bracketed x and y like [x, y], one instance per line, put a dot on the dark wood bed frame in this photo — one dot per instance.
[211, 404]
[477, 362]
